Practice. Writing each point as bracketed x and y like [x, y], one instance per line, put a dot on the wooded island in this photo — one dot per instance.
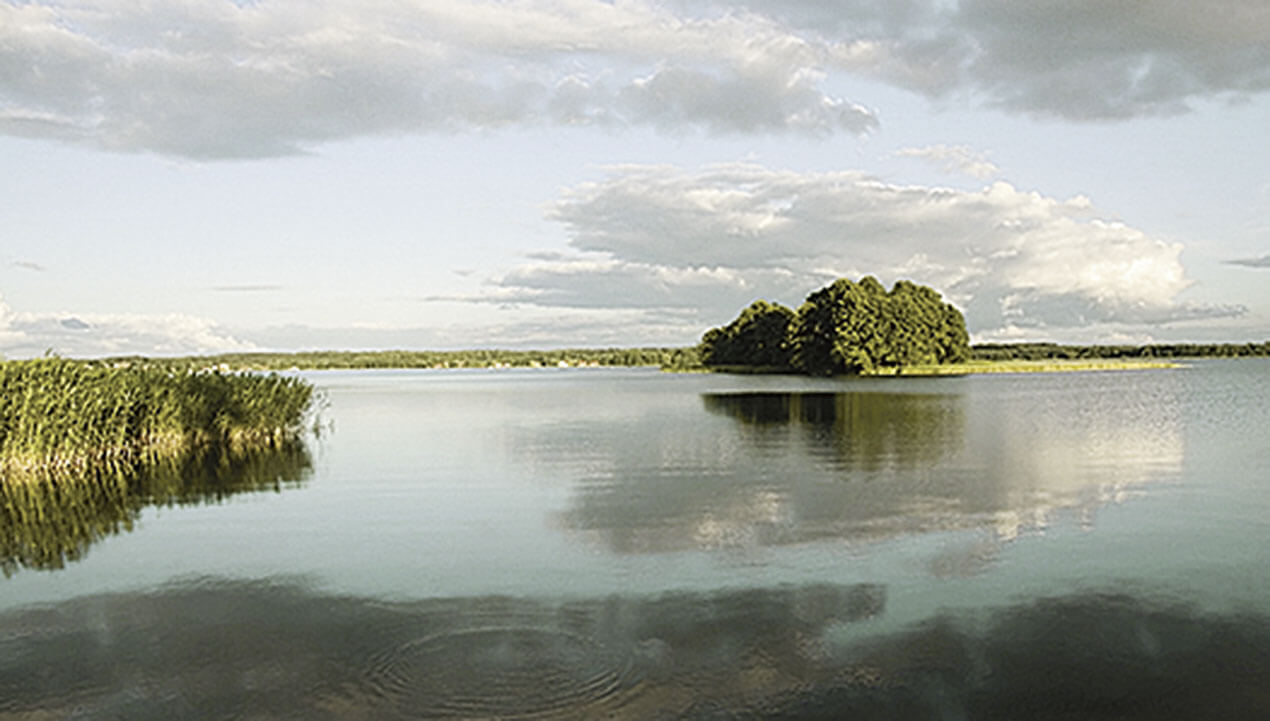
[844, 328]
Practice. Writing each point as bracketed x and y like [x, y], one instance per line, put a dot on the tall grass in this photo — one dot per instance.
[57, 413]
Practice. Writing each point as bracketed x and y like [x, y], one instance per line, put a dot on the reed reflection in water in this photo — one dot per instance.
[49, 519]
[236, 649]
[860, 466]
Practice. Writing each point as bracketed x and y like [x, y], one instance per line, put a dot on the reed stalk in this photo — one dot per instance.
[64, 414]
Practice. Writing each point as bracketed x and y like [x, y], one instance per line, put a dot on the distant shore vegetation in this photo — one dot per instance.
[58, 414]
[984, 357]
[407, 359]
[844, 328]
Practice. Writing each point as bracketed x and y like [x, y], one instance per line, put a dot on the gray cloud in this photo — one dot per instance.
[1262, 262]
[220, 79]
[1080, 60]
[710, 241]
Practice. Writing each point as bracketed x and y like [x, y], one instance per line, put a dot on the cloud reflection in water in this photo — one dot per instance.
[859, 466]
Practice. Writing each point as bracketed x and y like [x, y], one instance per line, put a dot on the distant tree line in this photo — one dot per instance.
[760, 338]
[845, 327]
[480, 358]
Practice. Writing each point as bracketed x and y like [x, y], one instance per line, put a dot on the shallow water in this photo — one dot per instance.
[630, 544]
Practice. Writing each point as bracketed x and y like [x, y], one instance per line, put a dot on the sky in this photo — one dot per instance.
[199, 176]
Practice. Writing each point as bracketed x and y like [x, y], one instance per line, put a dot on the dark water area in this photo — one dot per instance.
[630, 545]
[211, 649]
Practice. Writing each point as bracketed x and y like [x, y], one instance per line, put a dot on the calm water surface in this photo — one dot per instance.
[629, 544]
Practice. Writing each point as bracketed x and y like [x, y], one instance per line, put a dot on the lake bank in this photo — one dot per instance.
[1027, 366]
[973, 367]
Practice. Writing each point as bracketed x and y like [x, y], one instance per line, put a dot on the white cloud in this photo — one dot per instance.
[659, 237]
[523, 327]
[954, 159]
[25, 335]
[221, 80]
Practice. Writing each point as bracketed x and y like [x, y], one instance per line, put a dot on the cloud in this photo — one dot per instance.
[224, 80]
[1081, 60]
[246, 288]
[525, 327]
[219, 79]
[954, 159]
[28, 265]
[707, 242]
[1262, 262]
[24, 335]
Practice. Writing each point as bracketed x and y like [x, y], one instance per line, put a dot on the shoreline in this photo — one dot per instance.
[974, 367]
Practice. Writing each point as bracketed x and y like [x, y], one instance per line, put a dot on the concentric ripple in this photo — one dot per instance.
[503, 671]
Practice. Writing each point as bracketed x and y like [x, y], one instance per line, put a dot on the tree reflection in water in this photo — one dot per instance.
[862, 431]
[49, 519]
[219, 649]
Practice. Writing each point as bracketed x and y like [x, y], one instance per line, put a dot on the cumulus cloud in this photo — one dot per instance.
[710, 241]
[953, 159]
[221, 79]
[1262, 262]
[24, 335]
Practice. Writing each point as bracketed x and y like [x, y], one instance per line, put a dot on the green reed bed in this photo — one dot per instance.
[57, 413]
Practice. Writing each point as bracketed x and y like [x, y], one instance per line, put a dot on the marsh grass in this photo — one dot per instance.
[63, 414]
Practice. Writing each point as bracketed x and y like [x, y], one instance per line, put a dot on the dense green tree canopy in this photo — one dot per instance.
[845, 327]
[758, 337]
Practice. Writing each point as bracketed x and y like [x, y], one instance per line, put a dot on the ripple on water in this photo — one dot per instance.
[503, 671]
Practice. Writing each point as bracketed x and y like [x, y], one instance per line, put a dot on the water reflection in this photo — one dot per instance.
[795, 467]
[50, 519]
[863, 431]
[219, 649]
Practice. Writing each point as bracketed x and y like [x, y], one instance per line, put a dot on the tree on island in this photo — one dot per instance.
[758, 337]
[845, 327]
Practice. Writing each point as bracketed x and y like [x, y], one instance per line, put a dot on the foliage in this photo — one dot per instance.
[63, 413]
[758, 337]
[845, 327]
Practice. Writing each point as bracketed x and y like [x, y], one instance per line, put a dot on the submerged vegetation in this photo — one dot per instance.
[845, 327]
[64, 414]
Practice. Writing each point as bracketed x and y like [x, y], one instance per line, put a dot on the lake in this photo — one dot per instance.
[623, 543]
